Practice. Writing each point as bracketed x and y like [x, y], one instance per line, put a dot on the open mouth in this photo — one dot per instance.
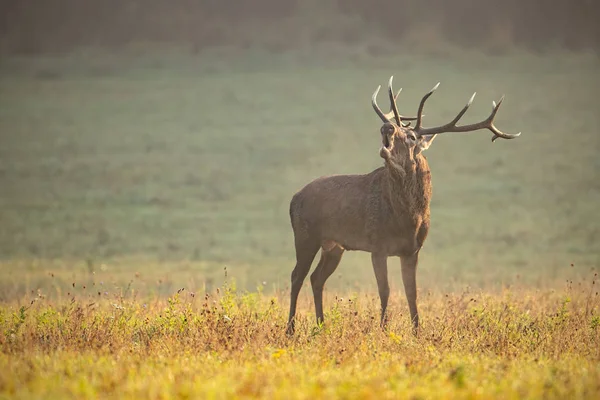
[386, 142]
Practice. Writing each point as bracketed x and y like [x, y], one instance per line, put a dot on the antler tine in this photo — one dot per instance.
[487, 123]
[495, 108]
[462, 112]
[390, 114]
[419, 124]
[380, 113]
[393, 106]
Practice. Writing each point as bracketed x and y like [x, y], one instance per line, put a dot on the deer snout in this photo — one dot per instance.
[387, 142]
[387, 135]
[388, 129]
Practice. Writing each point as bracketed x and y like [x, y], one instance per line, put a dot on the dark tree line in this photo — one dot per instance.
[32, 26]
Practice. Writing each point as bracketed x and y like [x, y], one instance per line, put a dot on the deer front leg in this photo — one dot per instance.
[409, 278]
[381, 274]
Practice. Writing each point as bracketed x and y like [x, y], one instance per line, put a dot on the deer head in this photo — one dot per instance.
[401, 143]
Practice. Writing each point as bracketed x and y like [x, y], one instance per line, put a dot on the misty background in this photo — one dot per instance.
[160, 142]
[62, 25]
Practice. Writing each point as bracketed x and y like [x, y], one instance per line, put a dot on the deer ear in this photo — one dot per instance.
[425, 142]
[421, 147]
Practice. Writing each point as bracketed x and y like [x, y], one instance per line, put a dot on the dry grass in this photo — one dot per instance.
[518, 343]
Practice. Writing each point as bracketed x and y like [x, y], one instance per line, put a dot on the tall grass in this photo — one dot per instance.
[514, 343]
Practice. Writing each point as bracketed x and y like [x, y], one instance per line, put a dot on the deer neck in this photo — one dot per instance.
[407, 188]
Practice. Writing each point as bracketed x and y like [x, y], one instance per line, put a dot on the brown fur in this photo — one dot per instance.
[385, 212]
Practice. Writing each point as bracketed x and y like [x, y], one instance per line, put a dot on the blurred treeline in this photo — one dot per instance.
[61, 25]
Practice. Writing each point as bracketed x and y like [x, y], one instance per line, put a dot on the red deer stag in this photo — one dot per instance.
[385, 212]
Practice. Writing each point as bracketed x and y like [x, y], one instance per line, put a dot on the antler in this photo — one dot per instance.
[487, 123]
[393, 107]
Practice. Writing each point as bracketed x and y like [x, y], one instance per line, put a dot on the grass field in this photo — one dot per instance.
[521, 343]
[126, 177]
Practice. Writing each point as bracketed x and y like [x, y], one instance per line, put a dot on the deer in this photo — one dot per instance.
[385, 212]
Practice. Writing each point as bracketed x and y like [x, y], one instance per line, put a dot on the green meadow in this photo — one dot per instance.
[127, 177]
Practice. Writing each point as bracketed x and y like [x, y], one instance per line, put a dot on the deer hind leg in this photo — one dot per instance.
[305, 254]
[330, 259]
[381, 275]
[409, 278]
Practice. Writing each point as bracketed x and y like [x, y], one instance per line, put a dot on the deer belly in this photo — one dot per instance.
[348, 243]
[329, 245]
[402, 246]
